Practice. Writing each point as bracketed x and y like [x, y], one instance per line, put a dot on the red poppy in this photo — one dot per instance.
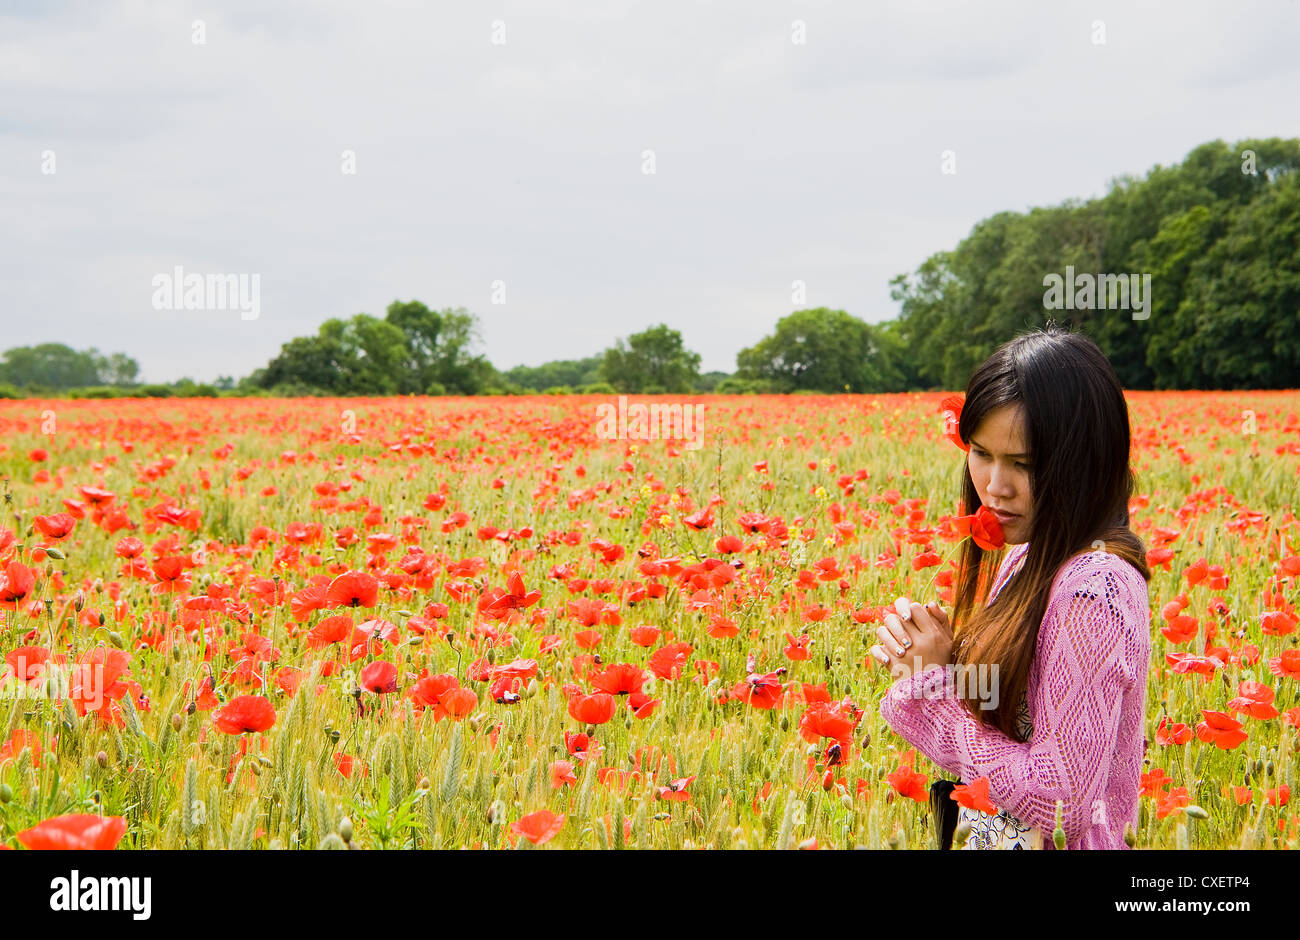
[1286, 665]
[562, 774]
[334, 629]
[619, 679]
[539, 827]
[668, 662]
[57, 527]
[797, 649]
[825, 721]
[75, 831]
[907, 782]
[983, 527]
[16, 584]
[760, 691]
[353, 589]
[975, 795]
[645, 635]
[379, 677]
[19, 740]
[593, 709]
[455, 703]
[1254, 699]
[951, 407]
[1220, 729]
[245, 713]
[676, 790]
[1167, 734]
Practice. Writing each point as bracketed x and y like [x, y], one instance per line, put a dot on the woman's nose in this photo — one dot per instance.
[1000, 483]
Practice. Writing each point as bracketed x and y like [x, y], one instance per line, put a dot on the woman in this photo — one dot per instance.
[1064, 634]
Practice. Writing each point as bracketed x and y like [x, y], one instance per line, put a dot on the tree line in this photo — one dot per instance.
[1214, 240]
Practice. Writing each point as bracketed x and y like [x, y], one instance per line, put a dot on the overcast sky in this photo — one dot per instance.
[791, 141]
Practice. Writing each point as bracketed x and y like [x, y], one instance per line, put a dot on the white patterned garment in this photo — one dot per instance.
[1002, 831]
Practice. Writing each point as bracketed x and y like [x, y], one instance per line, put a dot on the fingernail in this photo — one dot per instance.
[901, 651]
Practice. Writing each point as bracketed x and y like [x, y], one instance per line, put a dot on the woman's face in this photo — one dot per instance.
[999, 462]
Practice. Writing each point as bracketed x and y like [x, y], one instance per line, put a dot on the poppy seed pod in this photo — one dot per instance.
[345, 829]
[102, 760]
[1130, 835]
[177, 722]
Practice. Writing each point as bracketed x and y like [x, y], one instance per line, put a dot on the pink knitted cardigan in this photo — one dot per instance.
[1086, 697]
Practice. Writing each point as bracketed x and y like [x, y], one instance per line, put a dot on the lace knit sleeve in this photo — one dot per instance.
[1093, 646]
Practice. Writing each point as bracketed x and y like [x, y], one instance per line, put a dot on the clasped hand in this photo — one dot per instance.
[921, 641]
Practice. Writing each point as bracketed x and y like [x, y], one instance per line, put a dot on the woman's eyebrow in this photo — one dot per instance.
[982, 447]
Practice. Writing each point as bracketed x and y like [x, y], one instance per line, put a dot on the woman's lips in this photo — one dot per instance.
[1005, 518]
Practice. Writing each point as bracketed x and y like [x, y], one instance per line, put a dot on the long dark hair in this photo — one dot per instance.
[1077, 431]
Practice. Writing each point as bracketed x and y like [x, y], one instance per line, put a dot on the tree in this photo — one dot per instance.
[822, 350]
[653, 361]
[412, 350]
[54, 365]
[561, 372]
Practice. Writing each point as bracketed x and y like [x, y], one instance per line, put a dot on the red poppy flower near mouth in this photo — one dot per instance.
[983, 527]
[75, 831]
[245, 713]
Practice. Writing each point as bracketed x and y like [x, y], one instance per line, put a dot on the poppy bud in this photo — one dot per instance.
[79, 601]
[424, 784]
[1268, 768]
[177, 722]
[828, 781]
[1196, 812]
[1259, 767]
[102, 760]
[496, 814]
[1130, 836]
[116, 639]
[345, 829]
[55, 553]
[531, 689]
[492, 656]
[6, 793]
[785, 722]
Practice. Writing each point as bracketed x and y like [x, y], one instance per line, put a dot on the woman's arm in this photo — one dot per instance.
[1091, 653]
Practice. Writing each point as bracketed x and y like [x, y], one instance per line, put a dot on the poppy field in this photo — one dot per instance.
[479, 623]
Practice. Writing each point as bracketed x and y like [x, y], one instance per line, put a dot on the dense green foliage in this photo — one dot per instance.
[1221, 245]
[822, 350]
[651, 362]
[56, 366]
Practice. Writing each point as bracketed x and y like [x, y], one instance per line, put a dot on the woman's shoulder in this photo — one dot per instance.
[1098, 574]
